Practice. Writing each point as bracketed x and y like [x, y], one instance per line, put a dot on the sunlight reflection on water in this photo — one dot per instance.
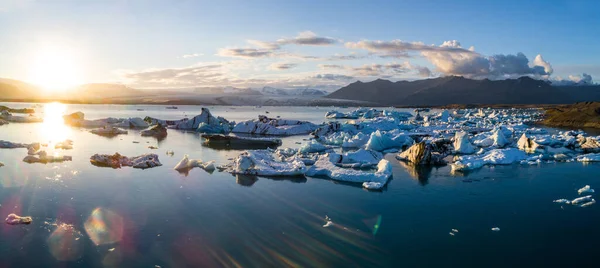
[54, 128]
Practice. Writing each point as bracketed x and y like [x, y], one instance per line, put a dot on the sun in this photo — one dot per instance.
[54, 68]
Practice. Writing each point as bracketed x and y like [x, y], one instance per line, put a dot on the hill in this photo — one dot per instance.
[578, 115]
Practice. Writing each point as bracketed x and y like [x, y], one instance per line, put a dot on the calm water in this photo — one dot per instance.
[142, 218]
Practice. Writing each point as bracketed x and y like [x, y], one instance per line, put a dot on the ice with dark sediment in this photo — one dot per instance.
[5, 115]
[157, 131]
[117, 161]
[274, 126]
[14, 219]
[108, 131]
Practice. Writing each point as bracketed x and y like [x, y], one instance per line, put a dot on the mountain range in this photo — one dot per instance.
[459, 90]
[428, 92]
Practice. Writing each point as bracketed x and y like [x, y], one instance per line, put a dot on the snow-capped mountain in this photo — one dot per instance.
[292, 92]
[226, 91]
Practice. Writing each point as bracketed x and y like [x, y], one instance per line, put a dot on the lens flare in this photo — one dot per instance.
[65, 243]
[104, 226]
[54, 128]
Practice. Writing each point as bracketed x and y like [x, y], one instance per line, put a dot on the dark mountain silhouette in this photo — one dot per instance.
[460, 90]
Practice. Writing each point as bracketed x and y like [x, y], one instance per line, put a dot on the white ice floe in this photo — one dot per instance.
[108, 131]
[586, 190]
[373, 185]
[12, 145]
[589, 157]
[117, 161]
[529, 145]
[263, 163]
[14, 219]
[5, 115]
[77, 119]
[562, 201]
[272, 126]
[325, 166]
[492, 157]
[589, 203]
[580, 200]
[462, 145]
[187, 164]
[381, 141]
[496, 229]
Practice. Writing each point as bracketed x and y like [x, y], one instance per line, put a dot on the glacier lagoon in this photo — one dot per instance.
[89, 216]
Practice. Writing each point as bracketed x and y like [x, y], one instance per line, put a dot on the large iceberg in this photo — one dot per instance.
[77, 119]
[157, 131]
[205, 122]
[277, 127]
[381, 141]
[108, 131]
[422, 154]
[5, 115]
[44, 158]
[529, 145]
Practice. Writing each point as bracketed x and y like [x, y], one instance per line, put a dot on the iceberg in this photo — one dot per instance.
[13, 145]
[381, 141]
[585, 190]
[421, 154]
[313, 147]
[205, 122]
[588, 157]
[117, 161]
[65, 145]
[108, 131]
[580, 200]
[157, 131]
[529, 145]
[14, 219]
[357, 159]
[5, 115]
[589, 203]
[43, 158]
[275, 127]
[186, 164]
[373, 185]
[492, 157]
[325, 166]
[77, 119]
[462, 145]
[263, 163]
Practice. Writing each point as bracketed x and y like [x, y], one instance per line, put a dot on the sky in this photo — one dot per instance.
[294, 44]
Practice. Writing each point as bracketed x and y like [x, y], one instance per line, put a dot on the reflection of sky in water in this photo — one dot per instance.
[142, 218]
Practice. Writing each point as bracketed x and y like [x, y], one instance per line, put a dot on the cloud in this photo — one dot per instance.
[308, 38]
[383, 70]
[333, 77]
[282, 66]
[574, 80]
[186, 56]
[424, 71]
[539, 61]
[331, 66]
[351, 56]
[245, 52]
[263, 49]
[400, 48]
[174, 77]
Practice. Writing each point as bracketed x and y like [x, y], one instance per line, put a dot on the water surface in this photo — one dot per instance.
[142, 218]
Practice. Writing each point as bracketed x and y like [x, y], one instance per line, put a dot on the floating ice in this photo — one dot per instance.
[589, 157]
[108, 131]
[493, 157]
[585, 190]
[5, 115]
[117, 161]
[187, 164]
[263, 163]
[421, 154]
[157, 131]
[325, 166]
[65, 145]
[43, 158]
[584, 199]
[462, 145]
[313, 147]
[496, 229]
[381, 141]
[529, 145]
[276, 127]
[12, 145]
[14, 219]
[587, 204]
[373, 185]
[562, 201]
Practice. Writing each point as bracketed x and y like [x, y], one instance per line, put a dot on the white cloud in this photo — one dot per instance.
[194, 55]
